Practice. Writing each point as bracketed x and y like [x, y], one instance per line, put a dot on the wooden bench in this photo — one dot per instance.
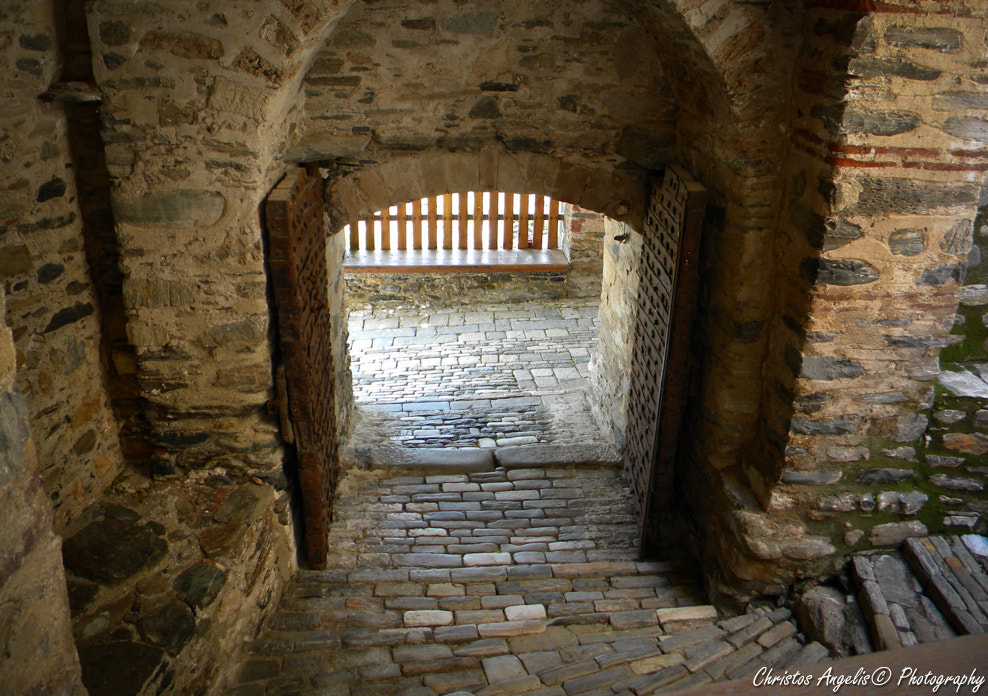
[471, 232]
[457, 261]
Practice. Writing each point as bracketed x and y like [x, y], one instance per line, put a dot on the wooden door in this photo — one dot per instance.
[660, 362]
[297, 264]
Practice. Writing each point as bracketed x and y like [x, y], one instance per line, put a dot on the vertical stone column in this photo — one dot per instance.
[336, 246]
[197, 105]
[730, 137]
[38, 655]
[583, 244]
[610, 367]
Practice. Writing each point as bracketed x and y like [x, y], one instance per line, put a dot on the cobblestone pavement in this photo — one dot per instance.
[501, 582]
[493, 377]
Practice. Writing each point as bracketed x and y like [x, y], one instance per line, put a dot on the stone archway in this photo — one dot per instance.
[669, 300]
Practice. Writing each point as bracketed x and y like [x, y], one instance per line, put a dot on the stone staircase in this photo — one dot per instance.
[503, 581]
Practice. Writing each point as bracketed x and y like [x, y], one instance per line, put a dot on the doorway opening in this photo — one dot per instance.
[473, 321]
[651, 325]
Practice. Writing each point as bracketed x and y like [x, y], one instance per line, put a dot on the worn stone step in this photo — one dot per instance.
[430, 461]
[938, 588]
[543, 456]
[394, 620]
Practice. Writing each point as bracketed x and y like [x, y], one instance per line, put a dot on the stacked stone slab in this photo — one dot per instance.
[162, 578]
[954, 579]
[934, 589]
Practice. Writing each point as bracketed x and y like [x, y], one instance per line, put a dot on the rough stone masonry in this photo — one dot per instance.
[843, 147]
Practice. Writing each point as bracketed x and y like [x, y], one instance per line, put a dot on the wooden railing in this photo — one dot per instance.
[485, 220]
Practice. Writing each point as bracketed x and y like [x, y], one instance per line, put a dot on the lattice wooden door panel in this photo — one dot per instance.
[297, 263]
[661, 349]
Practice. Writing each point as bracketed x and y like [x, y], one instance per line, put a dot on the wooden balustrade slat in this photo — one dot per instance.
[458, 216]
[369, 235]
[478, 220]
[524, 240]
[553, 223]
[403, 227]
[492, 212]
[509, 219]
[447, 221]
[431, 225]
[418, 211]
[386, 229]
[539, 218]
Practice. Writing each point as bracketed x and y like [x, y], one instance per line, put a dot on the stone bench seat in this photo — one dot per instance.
[456, 261]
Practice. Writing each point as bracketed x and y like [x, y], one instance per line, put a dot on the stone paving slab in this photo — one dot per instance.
[423, 600]
[495, 378]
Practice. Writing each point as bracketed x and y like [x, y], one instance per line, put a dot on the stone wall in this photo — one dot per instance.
[377, 290]
[956, 442]
[166, 579]
[580, 241]
[610, 366]
[882, 193]
[829, 285]
[339, 295]
[37, 655]
[397, 78]
[583, 245]
[51, 304]
[198, 101]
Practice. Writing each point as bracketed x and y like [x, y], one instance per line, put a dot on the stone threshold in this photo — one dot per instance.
[469, 460]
